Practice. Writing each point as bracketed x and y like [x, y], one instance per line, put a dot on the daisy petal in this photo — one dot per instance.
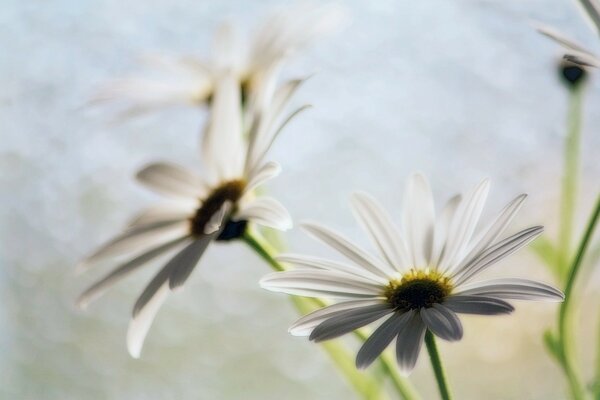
[265, 211]
[265, 173]
[442, 322]
[409, 342]
[480, 305]
[592, 11]
[315, 283]
[495, 253]
[136, 238]
[182, 265]
[513, 289]
[463, 225]
[141, 322]
[560, 38]
[98, 288]
[161, 213]
[380, 339]
[418, 216]
[320, 263]
[305, 325]
[172, 180]
[348, 321]
[377, 223]
[440, 235]
[349, 249]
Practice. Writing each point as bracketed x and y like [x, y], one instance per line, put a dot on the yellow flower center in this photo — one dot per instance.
[229, 191]
[418, 288]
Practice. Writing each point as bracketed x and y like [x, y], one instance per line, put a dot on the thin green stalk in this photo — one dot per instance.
[401, 384]
[565, 339]
[438, 369]
[570, 179]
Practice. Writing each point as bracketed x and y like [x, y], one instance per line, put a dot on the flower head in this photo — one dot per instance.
[421, 278]
[216, 206]
[255, 66]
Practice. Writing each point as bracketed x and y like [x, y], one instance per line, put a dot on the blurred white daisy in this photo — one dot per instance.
[217, 206]
[421, 278]
[256, 66]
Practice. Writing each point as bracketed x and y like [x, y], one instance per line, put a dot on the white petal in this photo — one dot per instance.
[380, 339]
[265, 211]
[409, 342]
[305, 325]
[442, 322]
[348, 321]
[172, 180]
[140, 324]
[560, 38]
[163, 212]
[479, 305]
[383, 233]
[223, 142]
[442, 227]
[313, 283]
[418, 215]
[320, 263]
[350, 250]
[591, 10]
[495, 253]
[216, 220]
[137, 238]
[512, 289]
[124, 270]
[463, 225]
[265, 173]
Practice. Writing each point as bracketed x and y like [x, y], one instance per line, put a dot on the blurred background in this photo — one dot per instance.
[460, 90]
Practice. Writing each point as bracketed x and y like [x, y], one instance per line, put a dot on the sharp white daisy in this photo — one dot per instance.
[421, 278]
[256, 66]
[216, 206]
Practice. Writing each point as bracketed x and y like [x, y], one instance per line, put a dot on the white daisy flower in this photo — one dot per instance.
[421, 278]
[256, 66]
[217, 206]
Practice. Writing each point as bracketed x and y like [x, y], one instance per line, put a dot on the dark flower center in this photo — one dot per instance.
[416, 290]
[227, 192]
[572, 72]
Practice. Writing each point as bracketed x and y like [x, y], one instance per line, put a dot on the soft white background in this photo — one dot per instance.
[460, 90]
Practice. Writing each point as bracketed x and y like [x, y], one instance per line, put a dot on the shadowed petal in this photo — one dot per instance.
[442, 322]
[480, 305]
[380, 339]
[409, 342]
[513, 289]
[348, 321]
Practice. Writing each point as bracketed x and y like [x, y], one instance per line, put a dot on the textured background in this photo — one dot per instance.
[460, 90]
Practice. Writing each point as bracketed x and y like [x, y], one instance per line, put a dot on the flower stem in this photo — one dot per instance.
[305, 305]
[565, 339]
[436, 363]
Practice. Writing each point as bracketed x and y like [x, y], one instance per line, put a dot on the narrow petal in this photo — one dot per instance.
[418, 216]
[377, 223]
[172, 180]
[348, 321]
[442, 322]
[380, 339]
[305, 325]
[265, 173]
[265, 211]
[495, 253]
[314, 283]
[163, 212]
[141, 322]
[137, 238]
[442, 226]
[591, 9]
[183, 264]
[409, 342]
[320, 263]
[463, 225]
[560, 38]
[480, 305]
[349, 250]
[513, 289]
[119, 273]
[497, 227]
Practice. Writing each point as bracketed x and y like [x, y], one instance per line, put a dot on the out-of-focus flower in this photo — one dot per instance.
[421, 279]
[255, 66]
[217, 206]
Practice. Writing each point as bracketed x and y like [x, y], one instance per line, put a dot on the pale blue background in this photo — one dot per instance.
[458, 89]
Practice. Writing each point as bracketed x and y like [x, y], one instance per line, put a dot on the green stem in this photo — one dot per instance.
[570, 179]
[565, 334]
[438, 369]
[401, 384]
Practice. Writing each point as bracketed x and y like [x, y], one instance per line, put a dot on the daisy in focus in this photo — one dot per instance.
[421, 279]
[217, 206]
[256, 65]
